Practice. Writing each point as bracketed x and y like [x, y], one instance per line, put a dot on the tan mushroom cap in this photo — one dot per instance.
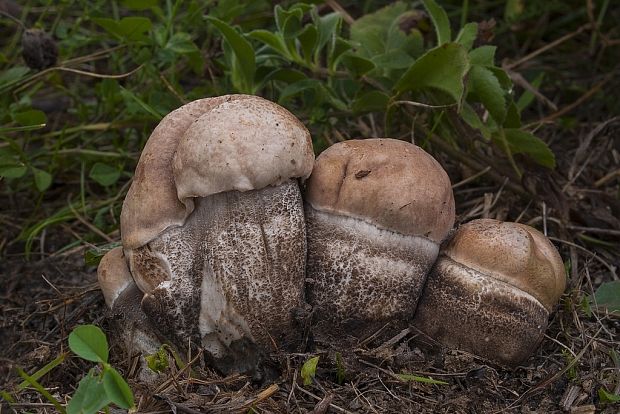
[392, 184]
[189, 138]
[113, 274]
[513, 253]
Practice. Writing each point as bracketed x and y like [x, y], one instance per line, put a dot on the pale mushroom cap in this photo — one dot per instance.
[392, 184]
[513, 253]
[185, 158]
[114, 276]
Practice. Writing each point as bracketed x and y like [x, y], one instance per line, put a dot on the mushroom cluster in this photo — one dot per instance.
[221, 251]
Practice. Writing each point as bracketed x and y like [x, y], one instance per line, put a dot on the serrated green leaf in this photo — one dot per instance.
[442, 68]
[608, 296]
[467, 35]
[483, 55]
[244, 64]
[117, 389]
[90, 396]
[370, 101]
[486, 88]
[308, 370]
[440, 21]
[417, 378]
[523, 142]
[104, 174]
[30, 117]
[90, 343]
[42, 179]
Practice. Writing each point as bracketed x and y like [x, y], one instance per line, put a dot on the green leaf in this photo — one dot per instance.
[513, 10]
[370, 101]
[44, 370]
[308, 40]
[181, 43]
[13, 170]
[30, 117]
[528, 97]
[90, 343]
[440, 21]
[117, 389]
[244, 64]
[467, 35]
[442, 68]
[607, 397]
[272, 40]
[608, 296]
[90, 396]
[104, 174]
[42, 179]
[140, 4]
[513, 116]
[298, 87]
[157, 362]
[394, 59]
[357, 65]
[523, 142]
[13, 75]
[328, 26]
[485, 87]
[340, 369]
[483, 55]
[45, 393]
[371, 30]
[308, 370]
[93, 256]
[131, 98]
[416, 378]
[472, 119]
[128, 28]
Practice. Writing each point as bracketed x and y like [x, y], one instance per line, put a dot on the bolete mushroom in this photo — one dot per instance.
[213, 228]
[376, 213]
[492, 290]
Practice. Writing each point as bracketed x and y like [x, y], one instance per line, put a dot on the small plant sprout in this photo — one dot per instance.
[100, 387]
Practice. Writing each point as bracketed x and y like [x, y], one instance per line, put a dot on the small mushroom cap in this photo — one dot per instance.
[234, 142]
[114, 276]
[391, 184]
[513, 253]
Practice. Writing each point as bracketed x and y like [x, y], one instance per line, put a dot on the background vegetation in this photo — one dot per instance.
[516, 98]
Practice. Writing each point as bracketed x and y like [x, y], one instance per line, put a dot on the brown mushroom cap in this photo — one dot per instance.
[235, 142]
[114, 276]
[392, 184]
[513, 253]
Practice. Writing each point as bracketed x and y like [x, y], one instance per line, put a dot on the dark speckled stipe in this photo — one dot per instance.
[465, 309]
